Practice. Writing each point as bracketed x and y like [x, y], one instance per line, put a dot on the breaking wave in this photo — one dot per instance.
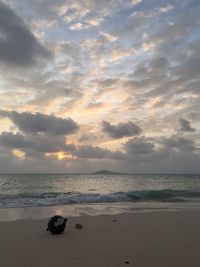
[49, 199]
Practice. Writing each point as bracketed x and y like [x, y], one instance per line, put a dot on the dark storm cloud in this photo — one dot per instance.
[41, 123]
[185, 126]
[121, 130]
[95, 152]
[18, 46]
[35, 143]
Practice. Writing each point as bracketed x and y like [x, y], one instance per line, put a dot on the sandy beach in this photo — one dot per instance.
[139, 239]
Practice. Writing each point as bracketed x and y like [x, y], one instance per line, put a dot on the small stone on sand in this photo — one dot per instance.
[79, 226]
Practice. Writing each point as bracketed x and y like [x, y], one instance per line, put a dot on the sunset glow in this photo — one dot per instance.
[108, 82]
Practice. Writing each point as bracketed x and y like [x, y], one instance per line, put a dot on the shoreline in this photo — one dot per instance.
[170, 238]
[77, 210]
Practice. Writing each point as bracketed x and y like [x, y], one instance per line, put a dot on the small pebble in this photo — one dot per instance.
[79, 226]
[127, 262]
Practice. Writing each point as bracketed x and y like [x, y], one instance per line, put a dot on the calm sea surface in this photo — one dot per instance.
[47, 190]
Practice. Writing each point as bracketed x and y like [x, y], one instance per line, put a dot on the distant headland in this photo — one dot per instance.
[106, 172]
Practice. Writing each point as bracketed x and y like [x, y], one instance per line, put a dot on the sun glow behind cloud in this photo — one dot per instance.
[18, 153]
[60, 155]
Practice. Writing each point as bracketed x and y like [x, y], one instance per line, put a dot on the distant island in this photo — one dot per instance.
[104, 172]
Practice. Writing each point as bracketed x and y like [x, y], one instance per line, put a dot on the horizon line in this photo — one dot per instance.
[92, 173]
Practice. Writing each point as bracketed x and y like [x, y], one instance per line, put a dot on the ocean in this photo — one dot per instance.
[152, 190]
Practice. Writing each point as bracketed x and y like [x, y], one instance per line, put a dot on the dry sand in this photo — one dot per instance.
[156, 239]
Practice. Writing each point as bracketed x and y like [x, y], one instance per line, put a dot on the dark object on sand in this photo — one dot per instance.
[127, 262]
[56, 224]
[79, 226]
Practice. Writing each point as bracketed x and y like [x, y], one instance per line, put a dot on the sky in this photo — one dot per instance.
[90, 85]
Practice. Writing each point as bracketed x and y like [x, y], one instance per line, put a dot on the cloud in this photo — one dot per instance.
[162, 146]
[76, 14]
[188, 69]
[50, 144]
[138, 146]
[68, 49]
[18, 46]
[35, 143]
[41, 123]
[115, 68]
[178, 143]
[10, 140]
[78, 26]
[121, 130]
[185, 126]
[158, 64]
[108, 37]
[95, 152]
[96, 105]
[38, 162]
[90, 137]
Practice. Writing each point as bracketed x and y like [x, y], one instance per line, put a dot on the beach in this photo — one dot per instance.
[143, 239]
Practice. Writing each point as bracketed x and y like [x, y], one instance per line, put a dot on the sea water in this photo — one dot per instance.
[37, 190]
